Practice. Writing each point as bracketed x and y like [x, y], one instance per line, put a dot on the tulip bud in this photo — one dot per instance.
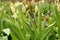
[23, 9]
[2, 7]
[36, 9]
[26, 6]
[11, 4]
[14, 12]
[42, 1]
[18, 3]
[58, 8]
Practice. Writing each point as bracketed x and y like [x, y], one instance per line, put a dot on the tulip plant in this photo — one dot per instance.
[29, 21]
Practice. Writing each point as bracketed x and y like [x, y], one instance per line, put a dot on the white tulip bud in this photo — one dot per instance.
[17, 4]
[36, 8]
[23, 9]
[58, 8]
[14, 12]
[26, 6]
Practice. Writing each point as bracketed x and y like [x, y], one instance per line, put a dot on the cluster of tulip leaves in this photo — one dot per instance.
[31, 25]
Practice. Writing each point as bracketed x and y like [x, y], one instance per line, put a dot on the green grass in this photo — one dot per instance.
[30, 25]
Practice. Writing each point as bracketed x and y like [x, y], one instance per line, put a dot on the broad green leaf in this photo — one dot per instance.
[7, 31]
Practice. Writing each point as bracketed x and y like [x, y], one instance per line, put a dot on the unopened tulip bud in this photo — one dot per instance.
[36, 9]
[17, 4]
[58, 8]
[26, 6]
[23, 9]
